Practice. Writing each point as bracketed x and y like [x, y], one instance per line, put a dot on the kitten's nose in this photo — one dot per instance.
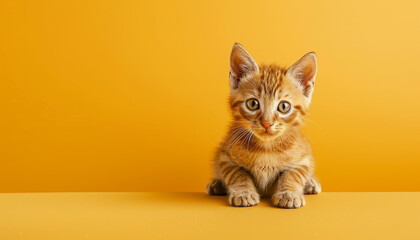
[267, 125]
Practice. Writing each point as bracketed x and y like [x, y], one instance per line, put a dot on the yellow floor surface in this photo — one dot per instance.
[123, 216]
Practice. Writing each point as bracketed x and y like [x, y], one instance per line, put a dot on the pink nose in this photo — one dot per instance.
[266, 125]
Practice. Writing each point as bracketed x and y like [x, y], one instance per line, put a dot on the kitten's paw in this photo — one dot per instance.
[288, 199]
[244, 198]
[312, 187]
[216, 187]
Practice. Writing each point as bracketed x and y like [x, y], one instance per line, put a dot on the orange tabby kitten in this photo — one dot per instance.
[265, 153]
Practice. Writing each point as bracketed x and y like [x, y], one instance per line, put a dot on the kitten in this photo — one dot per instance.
[265, 153]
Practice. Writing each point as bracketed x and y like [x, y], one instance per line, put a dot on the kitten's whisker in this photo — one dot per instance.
[231, 143]
[233, 138]
[242, 143]
[300, 137]
[306, 136]
[236, 141]
[228, 132]
[234, 132]
[304, 139]
[246, 138]
[249, 140]
[311, 122]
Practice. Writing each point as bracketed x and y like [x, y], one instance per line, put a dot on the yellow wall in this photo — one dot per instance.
[131, 95]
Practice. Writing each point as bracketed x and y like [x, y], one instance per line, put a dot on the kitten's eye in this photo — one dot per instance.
[252, 104]
[284, 107]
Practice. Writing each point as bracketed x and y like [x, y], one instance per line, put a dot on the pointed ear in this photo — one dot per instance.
[304, 72]
[241, 64]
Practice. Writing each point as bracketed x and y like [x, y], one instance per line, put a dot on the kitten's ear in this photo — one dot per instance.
[241, 64]
[304, 72]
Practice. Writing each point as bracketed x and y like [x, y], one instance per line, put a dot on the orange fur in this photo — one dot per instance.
[264, 152]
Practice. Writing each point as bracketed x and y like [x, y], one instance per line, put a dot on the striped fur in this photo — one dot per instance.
[253, 160]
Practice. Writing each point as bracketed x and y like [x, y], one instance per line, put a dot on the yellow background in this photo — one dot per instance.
[131, 95]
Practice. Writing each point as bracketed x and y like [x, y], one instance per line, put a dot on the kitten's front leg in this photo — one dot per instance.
[312, 186]
[239, 183]
[289, 188]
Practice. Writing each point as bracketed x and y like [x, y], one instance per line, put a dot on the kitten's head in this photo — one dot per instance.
[268, 99]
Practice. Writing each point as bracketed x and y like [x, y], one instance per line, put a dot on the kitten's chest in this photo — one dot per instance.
[265, 169]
